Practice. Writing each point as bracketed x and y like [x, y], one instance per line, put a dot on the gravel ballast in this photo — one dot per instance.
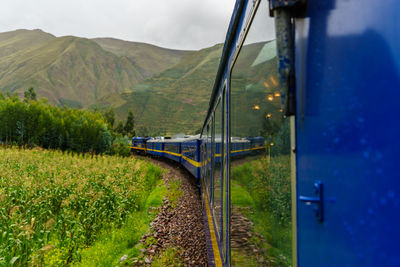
[180, 227]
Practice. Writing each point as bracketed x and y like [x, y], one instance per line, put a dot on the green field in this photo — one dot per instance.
[57, 209]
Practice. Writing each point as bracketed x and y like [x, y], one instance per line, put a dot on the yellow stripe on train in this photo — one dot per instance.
[193, 162]
[217, 255]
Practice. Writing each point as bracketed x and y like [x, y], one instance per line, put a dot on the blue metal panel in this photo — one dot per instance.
[150, 148]
[199, 142]
[190, 150]
[157, 148]
[138, 144]
[174, 155]
[348, 77]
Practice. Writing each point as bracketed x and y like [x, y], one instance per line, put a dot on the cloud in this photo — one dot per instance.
[181, 24]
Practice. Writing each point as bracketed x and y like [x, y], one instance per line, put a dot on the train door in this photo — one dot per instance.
[348, 80]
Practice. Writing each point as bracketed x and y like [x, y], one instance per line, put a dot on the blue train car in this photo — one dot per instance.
[325, 92]
[155, 147]
[257, 145]
[240, 147]
[139, 144]
[217, 150]
[191, 155]
[172, 149]
[347, 55]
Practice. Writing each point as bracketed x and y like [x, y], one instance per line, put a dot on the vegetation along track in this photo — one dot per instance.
[177, 235]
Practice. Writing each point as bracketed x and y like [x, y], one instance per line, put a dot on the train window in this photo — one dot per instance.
[189, 150]
[217, 209]
[204, 160]
[209, 160]
[224, 173]
[172, 147]
[260, 182]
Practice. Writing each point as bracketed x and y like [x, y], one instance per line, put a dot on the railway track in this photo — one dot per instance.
[178, 226]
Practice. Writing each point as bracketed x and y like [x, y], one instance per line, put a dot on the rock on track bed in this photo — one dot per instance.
[181, 227]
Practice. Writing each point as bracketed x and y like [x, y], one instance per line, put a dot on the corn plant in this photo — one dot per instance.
[52, 205]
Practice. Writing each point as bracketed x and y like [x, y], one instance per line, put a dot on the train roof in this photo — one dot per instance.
[184, 138]
[139, 138]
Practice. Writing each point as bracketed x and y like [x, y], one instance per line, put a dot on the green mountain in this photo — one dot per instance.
[173, 101]
[167, 89]
[176, 100]
[149, 59]
[255, 94]
[19, 40]
[75, 71]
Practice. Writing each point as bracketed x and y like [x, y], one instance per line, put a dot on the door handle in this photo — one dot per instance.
[317, 201]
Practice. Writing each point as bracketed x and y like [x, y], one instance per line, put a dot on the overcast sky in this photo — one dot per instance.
[181, 24]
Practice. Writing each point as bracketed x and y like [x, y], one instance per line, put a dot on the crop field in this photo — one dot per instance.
[55, 207]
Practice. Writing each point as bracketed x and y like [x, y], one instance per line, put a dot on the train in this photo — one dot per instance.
[319, 100]
[187, 150]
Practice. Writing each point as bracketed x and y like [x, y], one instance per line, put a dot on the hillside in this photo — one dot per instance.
[19, 40]
[149, 59]
[167, 89]
[176, 100]
[75, 71]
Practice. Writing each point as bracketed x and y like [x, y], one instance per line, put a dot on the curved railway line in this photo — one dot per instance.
[179, 226]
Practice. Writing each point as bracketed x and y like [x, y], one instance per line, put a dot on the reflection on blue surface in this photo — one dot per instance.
[348, 131]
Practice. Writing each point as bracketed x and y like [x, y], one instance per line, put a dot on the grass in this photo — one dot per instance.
[240, 197]
[265, 189]
[155, 199]
[242, 259]
[169, 257]
[174, 193]
[56, 207]
[109, 249]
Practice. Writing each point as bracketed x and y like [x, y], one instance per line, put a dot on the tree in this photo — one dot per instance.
[30, 94]
[120, 128]
[109, 116]
[130, 124]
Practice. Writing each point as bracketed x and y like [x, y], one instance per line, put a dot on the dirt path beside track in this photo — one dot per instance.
[181, 227]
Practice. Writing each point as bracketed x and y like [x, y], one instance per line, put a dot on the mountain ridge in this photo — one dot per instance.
[167, 89]
[75, 71]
